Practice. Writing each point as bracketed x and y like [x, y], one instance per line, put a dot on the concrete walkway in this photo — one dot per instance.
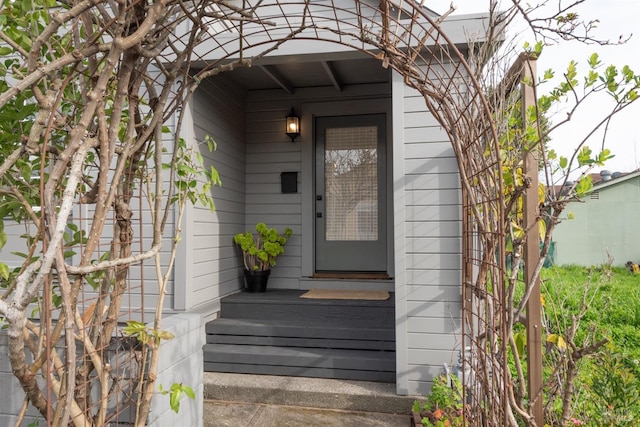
[234, 400]
[234, 414]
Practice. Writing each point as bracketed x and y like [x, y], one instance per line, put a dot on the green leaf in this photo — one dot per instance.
[584, 185]
[165, 335]
[189, 391]
[518, 232]
[176, 392]
[542, 229]
[584, 156]
[564, 162]
[521, 341]
[211, 143]
[5, 50]
[559, 341]
[3, 238]
[4, 271]
[138, 330]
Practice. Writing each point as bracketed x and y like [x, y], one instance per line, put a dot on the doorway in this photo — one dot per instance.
[350, 194]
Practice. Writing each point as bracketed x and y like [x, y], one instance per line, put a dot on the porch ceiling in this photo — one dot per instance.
[293, 75]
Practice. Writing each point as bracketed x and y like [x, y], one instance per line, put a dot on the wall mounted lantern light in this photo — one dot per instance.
[293, 125]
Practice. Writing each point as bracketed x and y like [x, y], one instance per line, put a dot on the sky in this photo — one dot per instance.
[617, 18]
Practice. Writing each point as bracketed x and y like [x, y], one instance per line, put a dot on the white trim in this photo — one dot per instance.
[182, 280]
[399, 238]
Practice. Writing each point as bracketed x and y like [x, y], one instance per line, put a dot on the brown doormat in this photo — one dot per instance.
[346, 294]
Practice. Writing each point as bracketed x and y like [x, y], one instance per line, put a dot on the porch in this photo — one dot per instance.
[280, 333]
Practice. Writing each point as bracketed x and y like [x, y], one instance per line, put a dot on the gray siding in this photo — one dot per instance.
[10, 389]
[208, 267]
[15, 243]
[427, 243]
[270, 152]
[180, 361]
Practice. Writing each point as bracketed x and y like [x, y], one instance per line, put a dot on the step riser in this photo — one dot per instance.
[301, 342]
[383, 377]
[300, 357]
[254, 327]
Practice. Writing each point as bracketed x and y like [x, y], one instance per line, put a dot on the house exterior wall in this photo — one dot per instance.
[10, 389]
[605, 223]
[270, 152]
[426, 208]
[427, 243]
[208, 264]
[181, 361]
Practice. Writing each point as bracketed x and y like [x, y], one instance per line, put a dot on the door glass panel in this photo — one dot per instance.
[351, 183]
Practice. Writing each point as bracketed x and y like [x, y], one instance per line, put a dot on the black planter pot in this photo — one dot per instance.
[256, 280]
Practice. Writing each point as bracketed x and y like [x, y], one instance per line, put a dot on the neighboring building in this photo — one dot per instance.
[605, 223]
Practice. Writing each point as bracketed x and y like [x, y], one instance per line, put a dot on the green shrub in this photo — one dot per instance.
[613, 392]
[260, 250]
[443, 406]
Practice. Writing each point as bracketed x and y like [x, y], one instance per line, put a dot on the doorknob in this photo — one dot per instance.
[318, 214]
[319, 197]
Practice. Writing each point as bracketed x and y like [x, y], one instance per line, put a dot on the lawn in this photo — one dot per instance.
[608, 384]
[613, 296]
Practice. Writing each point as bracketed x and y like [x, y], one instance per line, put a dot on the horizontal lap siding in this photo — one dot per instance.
[269, 153]
[213, 263]
[432, 247]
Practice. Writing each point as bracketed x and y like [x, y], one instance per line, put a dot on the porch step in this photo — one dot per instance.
[279, 333]
[299, 361]
[287, 305]
[348, 395]
[307, 334]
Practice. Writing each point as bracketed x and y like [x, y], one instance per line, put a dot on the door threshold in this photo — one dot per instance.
[349, 275]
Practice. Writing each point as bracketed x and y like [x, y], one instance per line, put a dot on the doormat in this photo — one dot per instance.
[346, 294]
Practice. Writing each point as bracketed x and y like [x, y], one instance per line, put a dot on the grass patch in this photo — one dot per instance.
[608, 384]
[614, 304]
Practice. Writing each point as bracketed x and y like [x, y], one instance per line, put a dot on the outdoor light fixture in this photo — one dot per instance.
[293, 125]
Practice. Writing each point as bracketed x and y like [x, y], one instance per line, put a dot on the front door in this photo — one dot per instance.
[350, 194]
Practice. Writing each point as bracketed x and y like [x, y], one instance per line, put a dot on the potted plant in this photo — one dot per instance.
[443, 407]
[259, 253]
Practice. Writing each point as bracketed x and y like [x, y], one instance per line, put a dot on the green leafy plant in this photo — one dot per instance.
[443, 406]
[175, 393]
[260, 250]
[142, 333]
[611, 396]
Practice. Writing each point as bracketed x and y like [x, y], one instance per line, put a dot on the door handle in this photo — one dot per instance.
[319, 197]
[318, 214]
